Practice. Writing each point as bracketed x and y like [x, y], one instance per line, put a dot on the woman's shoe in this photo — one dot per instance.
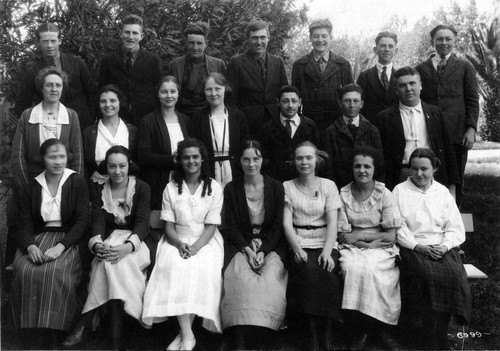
[76, 336]
[188, 344]
[176, 344]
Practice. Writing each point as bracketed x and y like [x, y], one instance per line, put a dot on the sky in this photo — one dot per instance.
[353, 17]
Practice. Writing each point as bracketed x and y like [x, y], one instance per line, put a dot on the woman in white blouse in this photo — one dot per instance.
[222, 129]
[432, 275]
[108, 131]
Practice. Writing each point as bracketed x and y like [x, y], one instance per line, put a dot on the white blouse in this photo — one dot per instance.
[105, 139]
[50, 127]
[175, 134]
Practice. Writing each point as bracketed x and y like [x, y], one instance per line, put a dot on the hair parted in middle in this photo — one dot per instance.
[321, 156]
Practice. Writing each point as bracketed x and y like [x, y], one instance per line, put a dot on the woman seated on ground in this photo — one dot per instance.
[314, 291]
[186, 280]
[432, 275]
[108, 131]
[54, 217]
[222, 129]
[367, 225]
[255, 278]
[157, 139]
[120, 223]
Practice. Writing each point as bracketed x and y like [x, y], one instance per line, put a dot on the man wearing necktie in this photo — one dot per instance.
[377, 82]
[80, 94]
[346, 133]
[413, 124]
[134, 70]
[318, 75]
[450, 83]
[256, 77]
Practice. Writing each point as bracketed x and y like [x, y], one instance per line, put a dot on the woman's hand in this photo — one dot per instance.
[326, 261]
[428, 252]
[300, 256]
[439, 250]
[35, 255]
[101, 251]
[379, 243]
[116, 253]
[256, 261]
[184, 250]
[348, 238]
[54, 252]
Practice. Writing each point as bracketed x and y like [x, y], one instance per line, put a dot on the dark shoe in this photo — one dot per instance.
[360, 342]
[76, 336]
[388, 342]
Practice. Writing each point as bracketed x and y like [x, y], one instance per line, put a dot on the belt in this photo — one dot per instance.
[309, 227]
[222, 158]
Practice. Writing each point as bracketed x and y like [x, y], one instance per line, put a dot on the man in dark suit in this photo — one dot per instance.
[80, 94]
[256, 77]
[451, 84]
[378, 83]
[134, 70]
[192, 69]
[283, 132]
[413, 124]
[318, 75]
[348, 132]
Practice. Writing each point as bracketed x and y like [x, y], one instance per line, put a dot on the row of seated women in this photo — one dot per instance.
[297, 252]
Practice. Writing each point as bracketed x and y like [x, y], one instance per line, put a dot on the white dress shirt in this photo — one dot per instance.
[415, 129]
[294, 123]
[355, 120]
[436, 59]
[388, 72]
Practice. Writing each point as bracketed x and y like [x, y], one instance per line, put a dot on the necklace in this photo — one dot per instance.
[308, 190]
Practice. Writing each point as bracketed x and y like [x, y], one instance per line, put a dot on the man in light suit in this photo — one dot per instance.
[192, 69]
[451, 84]
[134, 70]
[412, 124]
[378, 83]
[255, 78]
[318, 75]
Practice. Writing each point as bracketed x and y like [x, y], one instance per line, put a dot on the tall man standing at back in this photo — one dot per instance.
[134, 70]
[378, 83]
[256, 77]
[81, 92]
[192, 69]
[318, 75]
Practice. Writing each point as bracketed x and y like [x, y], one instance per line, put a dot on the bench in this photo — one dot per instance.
[472, 271]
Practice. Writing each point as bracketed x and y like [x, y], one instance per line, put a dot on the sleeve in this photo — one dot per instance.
[223, 67]
[243, 127]
[449, 151]
[147, 157]
[471, 96]
[98, 220]
[454, 231]
[333, 202]
[288, 200]
[157, 70]
[343, 224]
[18, 160]
[390, 212]
[104, 77]
[275, 229]
[404, 236]
[142, 203]
[89, 88]
[76, 145]
[348, 73]
[361, 81]
[94, 240]
[295, 75]
[80, 215]
[167, 211]
[233, 79]
[213, 215]
[283, 77]
[25, 235]
[26, 92]
[233, 233]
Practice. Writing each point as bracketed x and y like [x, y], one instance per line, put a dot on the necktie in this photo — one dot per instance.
[441, 66]
[383, 78]
[352, 128]
[321, 65]
[288, 127]
[129, 61]
[262, 69]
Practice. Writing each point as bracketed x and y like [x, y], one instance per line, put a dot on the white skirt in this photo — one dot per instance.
[180, 286]
[125, 280]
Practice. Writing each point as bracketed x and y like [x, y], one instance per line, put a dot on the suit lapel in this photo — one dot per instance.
[429, 71]
[331, 68]
[429, 124]
[450, 67]
[342, 127]
[376, 84]
[301, 129]
[397, 122]
[311, 69]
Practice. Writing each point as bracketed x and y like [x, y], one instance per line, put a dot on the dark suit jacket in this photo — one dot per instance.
[154, 153]
[279, 146]
[199, 128]
[319, 91]
[340, 147]
[139, 86]
[80, 94]
[89, 142]
[375, 97]
[256, 100]
[238, 232]
[455, 93]
[390, 125]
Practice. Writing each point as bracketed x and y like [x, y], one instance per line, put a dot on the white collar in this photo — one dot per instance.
[355, 120]
[37, 114]
[325, 56]
[380, 67]
[295, 119]
[436, 58]
[418, 107]
[43, 182]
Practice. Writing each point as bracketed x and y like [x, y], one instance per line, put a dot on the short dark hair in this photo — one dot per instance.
[386, 34]
[255, 25]
[406, 71]
[44, 72]
[288, 89]
[133, 168]
[442, 26]
[320, 23]
[48, 143]
[132, 19]
[47, 27]
[114, 89]
[198, 28]
[167, 79]
[321, 156]
[423, 152]
[349, 88]
[252, 144]
[376, 156]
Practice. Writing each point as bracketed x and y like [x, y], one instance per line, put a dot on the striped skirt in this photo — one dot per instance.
[45, 296]
[443, 282]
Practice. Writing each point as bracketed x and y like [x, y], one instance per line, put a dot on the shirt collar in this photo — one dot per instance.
[37, 114]
[417, 108]
[56, 58]
[43, 182]
[355, 120]
[380, 67]
[295, 119]
[134, 51]
[436, 58]
[325, 56]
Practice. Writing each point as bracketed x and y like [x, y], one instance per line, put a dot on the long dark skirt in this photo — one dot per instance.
[45, 296]
[311, 289]
[441, 282]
